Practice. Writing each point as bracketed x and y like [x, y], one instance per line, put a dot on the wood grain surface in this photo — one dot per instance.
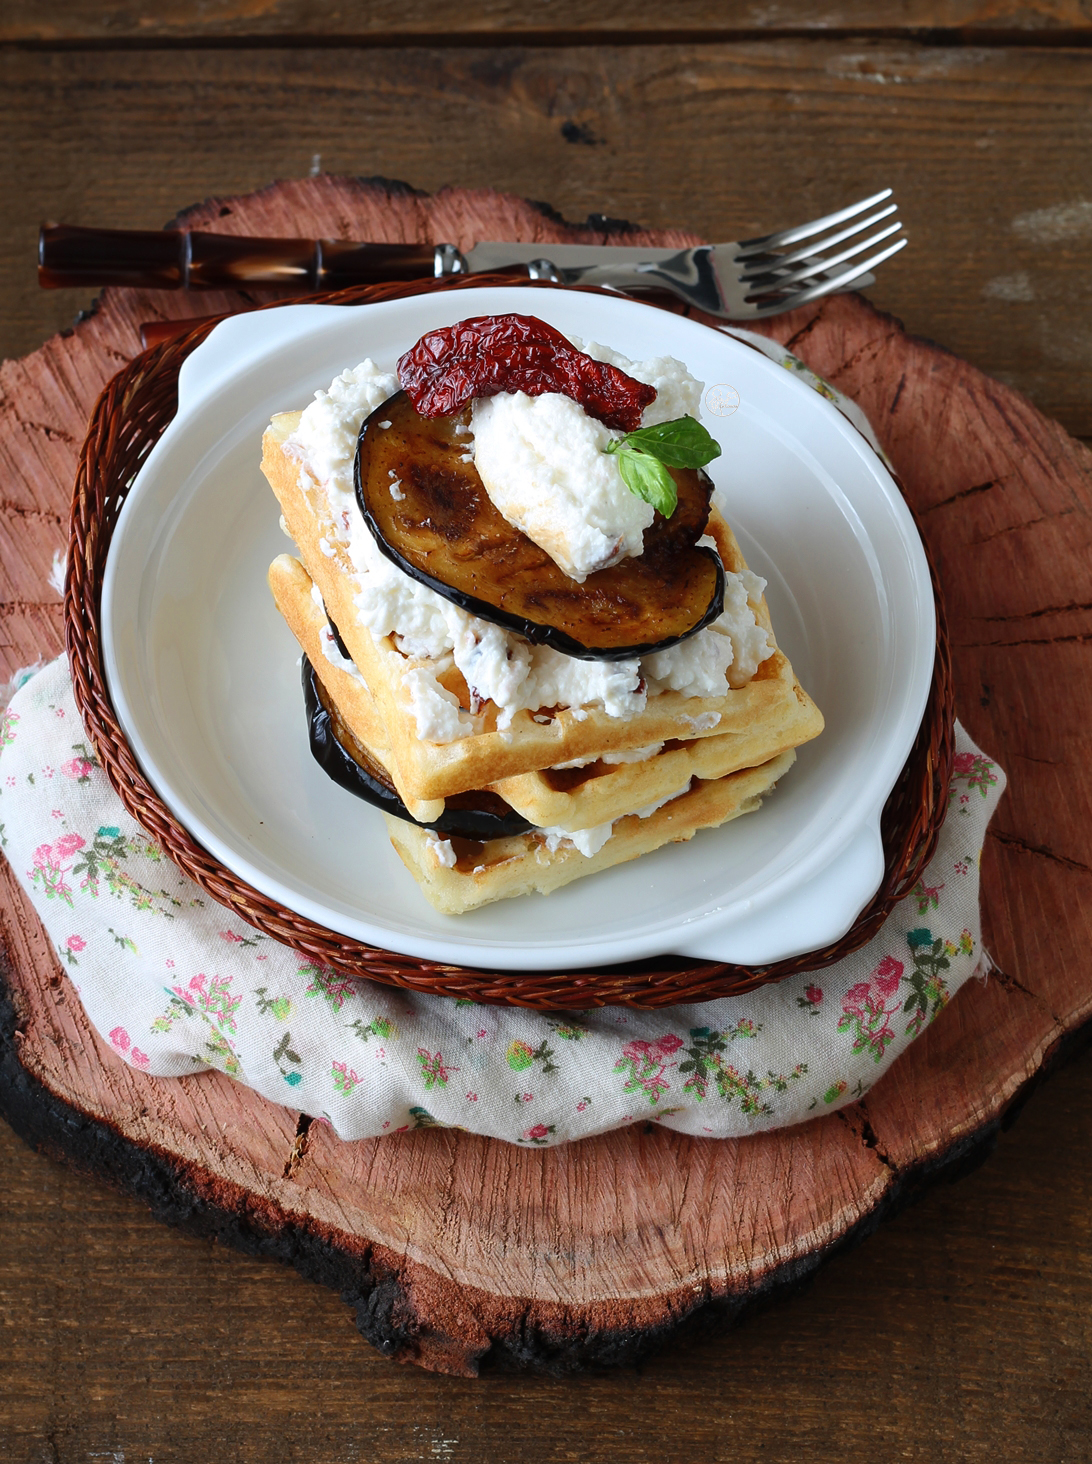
[960, 1330]
[75, 22]
[723, 140]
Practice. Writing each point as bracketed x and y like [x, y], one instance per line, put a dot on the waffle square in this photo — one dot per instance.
[574, 798]
[503, 868]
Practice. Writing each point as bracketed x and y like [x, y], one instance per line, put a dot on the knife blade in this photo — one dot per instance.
[498, 254]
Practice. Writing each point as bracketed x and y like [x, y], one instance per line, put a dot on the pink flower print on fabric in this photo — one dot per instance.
[645, 1064]
[975, 770]
[122, 1044]
[345, 1078]
[927, 896]
[77, 768]
[887, 976]
[73, 944]
[50, 867]
[811, 1000]
[215, 1000]
[865, 1013]
[433, 1069]
[329, 985]
[539, 1133]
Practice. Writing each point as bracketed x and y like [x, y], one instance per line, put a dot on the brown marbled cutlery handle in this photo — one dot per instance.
[168, 259]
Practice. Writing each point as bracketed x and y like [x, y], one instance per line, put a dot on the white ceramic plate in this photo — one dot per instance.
[203, 672]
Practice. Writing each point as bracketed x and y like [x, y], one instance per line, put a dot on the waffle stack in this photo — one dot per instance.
[596, 790]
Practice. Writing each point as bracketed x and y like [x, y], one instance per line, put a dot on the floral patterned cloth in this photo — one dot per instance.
[176, 985]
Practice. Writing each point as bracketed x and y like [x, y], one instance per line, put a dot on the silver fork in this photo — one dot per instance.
[746, 280]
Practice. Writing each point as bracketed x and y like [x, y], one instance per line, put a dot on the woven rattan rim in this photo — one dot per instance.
[129, 417]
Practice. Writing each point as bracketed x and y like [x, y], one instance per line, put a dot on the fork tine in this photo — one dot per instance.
[817, 265]
[827, 287]
[817, 226]
[758, 265]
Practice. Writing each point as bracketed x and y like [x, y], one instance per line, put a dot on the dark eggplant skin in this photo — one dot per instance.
[342, 647]
[477, 823]
[446, 533]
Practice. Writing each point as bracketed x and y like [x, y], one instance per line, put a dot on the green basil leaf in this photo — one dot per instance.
[682, 443]
[649, 479]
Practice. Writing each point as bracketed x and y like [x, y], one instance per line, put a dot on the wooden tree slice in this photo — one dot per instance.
[454, 1248]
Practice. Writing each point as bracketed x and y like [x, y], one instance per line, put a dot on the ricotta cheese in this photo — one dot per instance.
[587, 841]
[544, 463]
[442, 851]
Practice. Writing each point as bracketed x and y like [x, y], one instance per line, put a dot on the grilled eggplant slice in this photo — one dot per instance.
[439, 525]
[479, 816]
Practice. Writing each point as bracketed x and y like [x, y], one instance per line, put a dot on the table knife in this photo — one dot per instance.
[169, 259]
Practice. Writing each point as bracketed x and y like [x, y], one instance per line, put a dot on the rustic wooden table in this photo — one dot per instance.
[961, 1329]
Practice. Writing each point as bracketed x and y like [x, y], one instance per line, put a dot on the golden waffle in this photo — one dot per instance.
[772, 710]
[502, 868]
[577, 798]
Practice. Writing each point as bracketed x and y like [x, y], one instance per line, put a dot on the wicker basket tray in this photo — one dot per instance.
[128, 419]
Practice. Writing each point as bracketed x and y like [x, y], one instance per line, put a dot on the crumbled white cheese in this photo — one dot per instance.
[587, 841]
[651, 808]
[497, 665]
[633, 755]
[330, 648]
[396, 490]
[441, 851]
[705, 723]
[333, 653]
[435, 710]
[329, 427]
[326, 547]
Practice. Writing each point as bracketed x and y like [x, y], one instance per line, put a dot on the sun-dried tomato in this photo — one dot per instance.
[495, 353]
